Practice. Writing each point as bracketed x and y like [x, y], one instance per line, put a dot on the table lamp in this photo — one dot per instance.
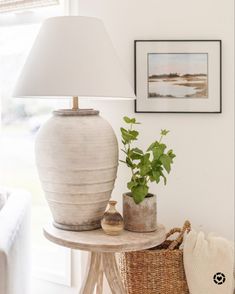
[76, 149]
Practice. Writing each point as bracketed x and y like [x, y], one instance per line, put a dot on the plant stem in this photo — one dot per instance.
[129, 147]
[160, 138]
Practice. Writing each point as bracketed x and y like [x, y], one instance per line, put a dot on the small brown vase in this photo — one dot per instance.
[112, 221]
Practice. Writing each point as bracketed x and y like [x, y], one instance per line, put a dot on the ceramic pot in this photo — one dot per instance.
[112, 221]
[77, 159]
[140, 217]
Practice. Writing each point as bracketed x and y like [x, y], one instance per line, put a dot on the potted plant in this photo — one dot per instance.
[139, 205]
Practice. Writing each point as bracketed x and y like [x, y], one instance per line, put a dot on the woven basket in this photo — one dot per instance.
[159, 270]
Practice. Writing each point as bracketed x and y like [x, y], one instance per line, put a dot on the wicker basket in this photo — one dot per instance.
[159, 270]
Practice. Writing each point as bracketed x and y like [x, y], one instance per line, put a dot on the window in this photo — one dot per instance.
[13, 5]
[20, 121]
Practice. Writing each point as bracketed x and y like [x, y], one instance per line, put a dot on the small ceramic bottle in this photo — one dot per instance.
[112, 221]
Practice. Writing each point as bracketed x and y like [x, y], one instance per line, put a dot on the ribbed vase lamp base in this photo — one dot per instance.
[77, 159]
[78, 227]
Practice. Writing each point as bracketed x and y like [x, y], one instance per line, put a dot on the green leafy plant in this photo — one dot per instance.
[146, 167]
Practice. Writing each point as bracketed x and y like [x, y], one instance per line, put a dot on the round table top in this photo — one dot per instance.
[98, 241]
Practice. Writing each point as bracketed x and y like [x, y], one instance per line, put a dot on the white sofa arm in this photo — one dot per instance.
[15, 244]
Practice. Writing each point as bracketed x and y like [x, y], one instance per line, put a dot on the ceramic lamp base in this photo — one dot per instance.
[77, 159]
[77, 227]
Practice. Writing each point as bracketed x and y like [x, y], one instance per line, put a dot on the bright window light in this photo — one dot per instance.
[20, 121]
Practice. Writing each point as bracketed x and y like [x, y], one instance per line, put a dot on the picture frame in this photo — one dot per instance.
[178, 76]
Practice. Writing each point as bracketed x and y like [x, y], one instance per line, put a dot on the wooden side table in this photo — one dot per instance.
[102, 250]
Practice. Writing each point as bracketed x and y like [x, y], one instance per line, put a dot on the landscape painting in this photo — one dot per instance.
[178, 75]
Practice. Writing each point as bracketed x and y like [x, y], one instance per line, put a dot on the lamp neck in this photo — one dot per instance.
[75, 103]
[75, 110]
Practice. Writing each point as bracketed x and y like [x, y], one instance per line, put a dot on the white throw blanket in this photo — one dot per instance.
[208, 263]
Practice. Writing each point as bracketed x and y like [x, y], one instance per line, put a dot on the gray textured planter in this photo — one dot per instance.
[141, 217]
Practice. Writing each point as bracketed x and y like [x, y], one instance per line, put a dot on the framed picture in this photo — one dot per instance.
[179, 76]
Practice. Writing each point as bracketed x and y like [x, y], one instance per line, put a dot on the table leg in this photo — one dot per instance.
[92, 276]
[112, 273]
[100, 264]
[99, 286]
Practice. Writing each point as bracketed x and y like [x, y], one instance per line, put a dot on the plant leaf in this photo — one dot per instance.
[166, 162]
[131, 185]
[145, 169]
[156, 176]
[164, 132]
[145, 158]
[137, 150]
[164, 178]
[139, 192]
[135, 156]
[130, 163]
[127, 119]
[145, 165]
[135, 153]
[128, 135]
[171, 154]
[162, 147]
[157, 152]
[130, 120]
[134, 134]
[151, 146]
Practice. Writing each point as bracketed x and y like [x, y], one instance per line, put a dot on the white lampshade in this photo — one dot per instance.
[73, 56]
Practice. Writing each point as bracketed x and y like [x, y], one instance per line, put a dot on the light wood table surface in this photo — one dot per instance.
[102, 250]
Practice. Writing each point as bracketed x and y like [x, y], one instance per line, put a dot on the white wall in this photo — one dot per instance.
[200, 187]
